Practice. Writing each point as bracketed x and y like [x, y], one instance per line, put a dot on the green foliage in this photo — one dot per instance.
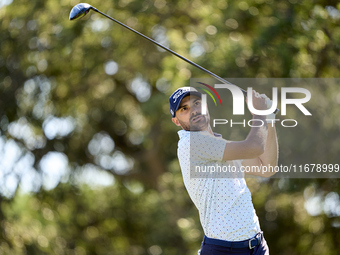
[94, 97]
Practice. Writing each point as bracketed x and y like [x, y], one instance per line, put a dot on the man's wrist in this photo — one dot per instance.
[271, 118]
[266, 119]
[260, 117]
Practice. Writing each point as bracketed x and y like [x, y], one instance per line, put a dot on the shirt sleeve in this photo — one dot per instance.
[205, 147]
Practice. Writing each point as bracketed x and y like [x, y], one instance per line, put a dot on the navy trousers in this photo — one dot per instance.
[210, 249]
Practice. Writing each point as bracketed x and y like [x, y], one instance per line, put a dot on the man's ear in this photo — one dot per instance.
[175, 120]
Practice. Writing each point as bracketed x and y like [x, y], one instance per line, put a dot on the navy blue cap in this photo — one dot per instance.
[176, 98]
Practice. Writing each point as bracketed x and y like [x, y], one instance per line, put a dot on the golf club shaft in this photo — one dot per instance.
[171, 51]
[167, 49]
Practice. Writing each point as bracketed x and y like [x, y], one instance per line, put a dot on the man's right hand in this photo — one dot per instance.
[259, 102]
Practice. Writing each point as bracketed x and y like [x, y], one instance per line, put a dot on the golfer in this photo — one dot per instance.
[225, 207]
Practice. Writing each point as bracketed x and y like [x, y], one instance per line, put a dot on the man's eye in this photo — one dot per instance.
[197, 103]
[184, 109]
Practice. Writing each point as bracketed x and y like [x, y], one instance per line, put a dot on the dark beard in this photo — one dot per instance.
[196, 126]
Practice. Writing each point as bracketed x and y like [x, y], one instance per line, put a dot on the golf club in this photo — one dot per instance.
[80, 10]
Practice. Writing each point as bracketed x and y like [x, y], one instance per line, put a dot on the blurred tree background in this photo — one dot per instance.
[88, 160]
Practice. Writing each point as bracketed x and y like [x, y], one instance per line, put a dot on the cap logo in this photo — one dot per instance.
[177, 95]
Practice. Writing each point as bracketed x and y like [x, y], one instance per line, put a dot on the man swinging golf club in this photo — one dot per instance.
[226, 211]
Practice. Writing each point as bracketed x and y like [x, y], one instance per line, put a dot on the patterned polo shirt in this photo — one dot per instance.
[225, 206]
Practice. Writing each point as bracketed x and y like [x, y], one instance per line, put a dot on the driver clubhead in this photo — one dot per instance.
[79, 11]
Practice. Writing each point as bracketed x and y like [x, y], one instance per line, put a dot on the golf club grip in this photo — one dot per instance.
[171, 51]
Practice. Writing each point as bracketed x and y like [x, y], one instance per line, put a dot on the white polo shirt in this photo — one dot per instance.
[225, 207]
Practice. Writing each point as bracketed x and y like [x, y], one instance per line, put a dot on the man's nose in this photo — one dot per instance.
[194, 110]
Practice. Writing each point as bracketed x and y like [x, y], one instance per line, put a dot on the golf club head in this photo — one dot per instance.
[80, 10]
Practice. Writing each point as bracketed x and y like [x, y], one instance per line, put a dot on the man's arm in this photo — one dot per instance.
[254, 145]
[269, 157]
[250, 148]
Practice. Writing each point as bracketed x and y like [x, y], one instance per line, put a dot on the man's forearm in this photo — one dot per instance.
[258, 134]
[270, 155]
[250, 148]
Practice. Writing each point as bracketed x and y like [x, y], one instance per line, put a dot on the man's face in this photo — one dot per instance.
[189, 116]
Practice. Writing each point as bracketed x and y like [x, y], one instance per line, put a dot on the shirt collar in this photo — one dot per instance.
[182, 133]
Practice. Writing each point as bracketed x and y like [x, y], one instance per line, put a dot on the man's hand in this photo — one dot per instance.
[259, 102]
